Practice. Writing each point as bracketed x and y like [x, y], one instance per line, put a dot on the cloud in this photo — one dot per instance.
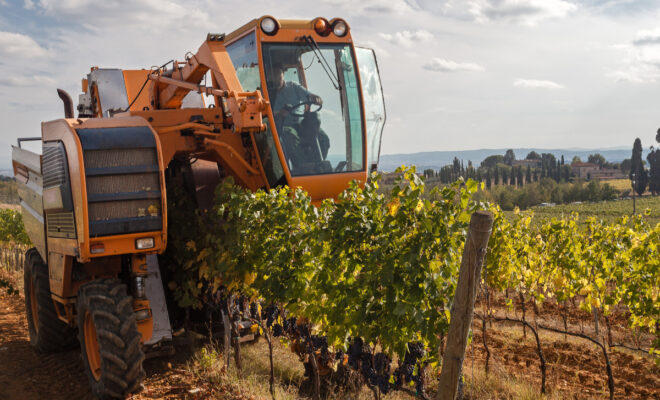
[28, 4]
[380, 52]
[442, 65]
[17, 44]
[150, 14]
[647, 37]
[641, 61]
[374, 6]
[536, 84]
[524, 12]
[407, 38]
[26, 80]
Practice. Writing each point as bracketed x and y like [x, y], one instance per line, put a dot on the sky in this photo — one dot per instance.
[457, 75]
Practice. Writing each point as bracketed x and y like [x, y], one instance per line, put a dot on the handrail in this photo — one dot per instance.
[27, 139]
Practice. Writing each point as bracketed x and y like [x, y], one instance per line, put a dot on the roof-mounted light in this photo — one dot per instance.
[322, 27]
[339, 27]
[269, 25]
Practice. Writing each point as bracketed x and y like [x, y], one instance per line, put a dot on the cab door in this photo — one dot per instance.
[374, 103]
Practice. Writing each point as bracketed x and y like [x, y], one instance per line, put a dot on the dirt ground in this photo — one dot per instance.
[576, 369]
[26, 375]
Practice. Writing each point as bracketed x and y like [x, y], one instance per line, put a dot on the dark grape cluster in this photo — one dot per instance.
[374, 368]
[270, 314]
[355, 352]
[254, 310]
[382, 363]
[404, 374]
[277, 330]
[319, 342]
[406, 371]
[289, 325]
[369, 373]
[415, 352]
[302, 330]
[383, 382]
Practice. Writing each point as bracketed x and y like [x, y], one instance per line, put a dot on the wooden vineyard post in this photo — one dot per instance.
[462, 308]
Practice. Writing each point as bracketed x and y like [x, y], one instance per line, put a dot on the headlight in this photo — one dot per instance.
[269, 25]
[339, 28]
[144, 243]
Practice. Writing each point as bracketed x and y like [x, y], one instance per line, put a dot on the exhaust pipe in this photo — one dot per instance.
[68, 103]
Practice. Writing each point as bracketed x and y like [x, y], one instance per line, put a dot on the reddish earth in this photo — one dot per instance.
[26, 375]
[576, 368]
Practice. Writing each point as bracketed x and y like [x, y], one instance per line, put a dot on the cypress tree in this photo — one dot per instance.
[528, 175]
[637, 167]
[654, 170]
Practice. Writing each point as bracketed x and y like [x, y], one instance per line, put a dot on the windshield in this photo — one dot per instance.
[315, 101]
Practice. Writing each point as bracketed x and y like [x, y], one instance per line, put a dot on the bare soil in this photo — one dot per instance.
[576, 368]
[25, 374]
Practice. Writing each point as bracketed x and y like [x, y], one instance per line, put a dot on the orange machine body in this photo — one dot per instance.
[118, 203]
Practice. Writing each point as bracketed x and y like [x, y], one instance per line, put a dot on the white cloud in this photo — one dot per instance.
[380, 52]
[17, 44]
[27, 80]
[150, 14]
[28, 4]
[524, 12]
[442, 65]
[641, 62]
[647, 37]
[374, 6]
[536, 84]
[407, 38]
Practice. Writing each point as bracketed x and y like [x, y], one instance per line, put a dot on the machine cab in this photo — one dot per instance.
[326, 113]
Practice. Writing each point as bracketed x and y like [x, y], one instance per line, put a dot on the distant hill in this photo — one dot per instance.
[437, 159]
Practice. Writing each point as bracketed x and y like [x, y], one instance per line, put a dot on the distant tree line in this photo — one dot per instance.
[500, 169]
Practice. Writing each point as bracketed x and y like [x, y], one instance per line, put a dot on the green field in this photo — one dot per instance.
[606, 210]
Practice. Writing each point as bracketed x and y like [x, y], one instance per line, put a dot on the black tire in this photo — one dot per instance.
[48, 334]
[118, 372]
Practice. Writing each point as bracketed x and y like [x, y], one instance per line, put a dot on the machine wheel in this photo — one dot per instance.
[48, 333]
[109, 339]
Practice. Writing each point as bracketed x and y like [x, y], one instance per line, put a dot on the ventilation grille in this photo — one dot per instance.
[61, 224]
[54, 165]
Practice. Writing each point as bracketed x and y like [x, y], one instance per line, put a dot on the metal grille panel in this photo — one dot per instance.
[61, 225]
[122, 179]
[120, 157]
[123, 183]
[54, 164]
[124, 209]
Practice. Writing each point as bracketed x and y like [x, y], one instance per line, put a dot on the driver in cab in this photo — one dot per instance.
[304, 142]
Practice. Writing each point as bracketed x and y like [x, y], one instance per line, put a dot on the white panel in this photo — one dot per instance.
[156, 297]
